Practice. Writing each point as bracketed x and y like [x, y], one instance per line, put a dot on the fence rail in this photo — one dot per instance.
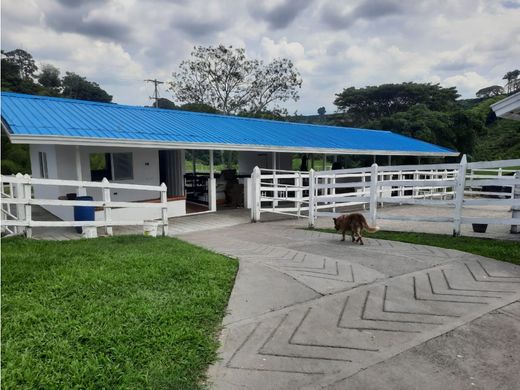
[325, 193]
[17, 191]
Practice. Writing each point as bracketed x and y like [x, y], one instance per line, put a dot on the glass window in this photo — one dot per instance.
[100, 166]
[123, 166]
[44, 172]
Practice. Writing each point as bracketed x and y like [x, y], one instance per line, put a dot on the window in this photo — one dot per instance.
[113, 166]
[44, 172]
[123, 166]
[100, 166]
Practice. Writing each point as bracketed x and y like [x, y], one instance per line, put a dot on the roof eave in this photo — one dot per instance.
[115, 142]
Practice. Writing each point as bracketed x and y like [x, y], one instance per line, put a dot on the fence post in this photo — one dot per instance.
[363, 180]
[275, 190]
[20, 212]
[255, 196]
[515, 209]
[400, 192]
[164, 209]
[106, 208]
[333, 192]
[212, 194]
[415, 191]
[312, 198]
[444, 188]
[373, 194]
[298, 181]
[27, 191]
[459, 195]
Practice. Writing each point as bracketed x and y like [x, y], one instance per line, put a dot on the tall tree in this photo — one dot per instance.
[513, 84]
[78, 87]
[321, 111]
[224, 78]
[491, 91]
[455, 129]
[25, 62]
[49, 77]
[374, 102]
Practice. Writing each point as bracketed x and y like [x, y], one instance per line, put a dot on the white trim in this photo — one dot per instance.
[509, 107]
[114, 142]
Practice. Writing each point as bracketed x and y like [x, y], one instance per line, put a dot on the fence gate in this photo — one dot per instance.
[280, 192]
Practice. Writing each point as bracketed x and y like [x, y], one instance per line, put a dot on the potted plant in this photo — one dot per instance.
[479, 227]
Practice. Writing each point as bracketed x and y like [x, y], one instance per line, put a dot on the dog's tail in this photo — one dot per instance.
[370, 229]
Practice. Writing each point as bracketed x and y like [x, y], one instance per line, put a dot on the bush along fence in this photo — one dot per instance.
[325, 193]
[17, 201]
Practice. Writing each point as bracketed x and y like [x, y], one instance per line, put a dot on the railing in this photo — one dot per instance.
[347, 187]
[427, 185]
[327, 193]
[279, 191]
[17, 191]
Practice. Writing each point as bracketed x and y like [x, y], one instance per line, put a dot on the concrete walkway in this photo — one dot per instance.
[309, 311]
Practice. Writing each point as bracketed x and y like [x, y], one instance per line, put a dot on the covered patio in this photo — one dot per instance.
[89, 141]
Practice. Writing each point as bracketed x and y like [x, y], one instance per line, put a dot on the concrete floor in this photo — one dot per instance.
[231, 217]
[308, 311]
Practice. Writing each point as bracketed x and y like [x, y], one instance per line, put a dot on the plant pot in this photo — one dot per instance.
[479, 227]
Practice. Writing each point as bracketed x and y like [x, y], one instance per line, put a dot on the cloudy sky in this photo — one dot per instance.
[469, 44]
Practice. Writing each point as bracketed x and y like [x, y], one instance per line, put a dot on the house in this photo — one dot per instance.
[508, 108]
[86, 141]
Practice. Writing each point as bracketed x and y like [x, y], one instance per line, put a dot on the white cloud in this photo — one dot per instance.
[466, 43]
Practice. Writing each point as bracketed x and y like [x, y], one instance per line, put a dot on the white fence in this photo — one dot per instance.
[455, 185]
[17, 202]
[279, 191]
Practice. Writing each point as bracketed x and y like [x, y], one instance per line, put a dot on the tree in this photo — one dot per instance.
[456, 129]
[321, 111]
[199, 107]
[491, 91]
[25, 62]
[49, 77]
[513, 84]
[374, 102]
[77, 87]
[164, 103]
[224, 78]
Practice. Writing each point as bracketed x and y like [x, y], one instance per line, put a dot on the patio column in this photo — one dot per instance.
[275, 182]
[324, 162]
[389, 160]
[194, 162]
[212, 185]
[79, 174]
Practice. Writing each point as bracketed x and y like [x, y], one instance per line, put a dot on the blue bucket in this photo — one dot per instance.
[84, 213]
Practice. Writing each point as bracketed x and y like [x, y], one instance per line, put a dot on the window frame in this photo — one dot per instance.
[44, 168]
[130, 165]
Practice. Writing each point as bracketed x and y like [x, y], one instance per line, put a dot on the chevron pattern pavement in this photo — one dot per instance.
[371, 303]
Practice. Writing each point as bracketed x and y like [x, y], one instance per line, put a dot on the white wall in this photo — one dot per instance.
[248, 160]
[61, 162]
[54, 167]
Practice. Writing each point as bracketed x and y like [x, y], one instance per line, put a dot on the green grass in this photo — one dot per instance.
[204, 168]
[122, 312]
[496, 249]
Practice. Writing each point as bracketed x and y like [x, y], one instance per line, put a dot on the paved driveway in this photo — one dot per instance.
[309, 311]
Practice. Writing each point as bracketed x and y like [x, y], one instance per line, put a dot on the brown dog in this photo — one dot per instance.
[354, 223]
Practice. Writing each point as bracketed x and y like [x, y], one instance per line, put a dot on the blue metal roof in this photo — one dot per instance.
[30, 118]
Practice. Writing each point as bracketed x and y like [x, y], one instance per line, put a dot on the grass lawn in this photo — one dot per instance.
[496, 249]
[120, 312]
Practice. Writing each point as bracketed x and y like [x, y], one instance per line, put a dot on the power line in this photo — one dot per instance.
[156, 91]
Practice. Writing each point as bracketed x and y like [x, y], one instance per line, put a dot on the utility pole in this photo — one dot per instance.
[156, 91]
